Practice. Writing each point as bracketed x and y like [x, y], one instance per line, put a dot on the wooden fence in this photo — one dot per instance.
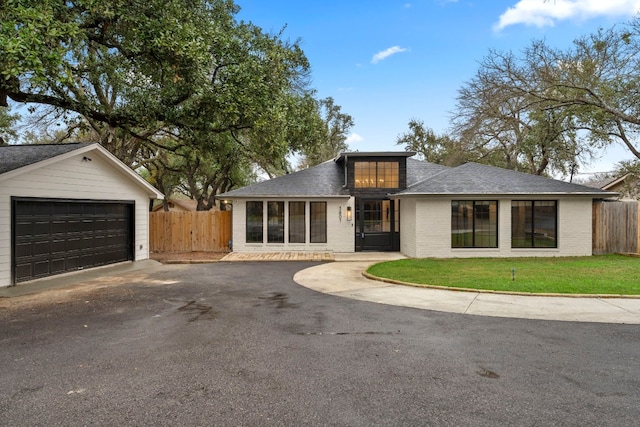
[615, 227]
[208, 231]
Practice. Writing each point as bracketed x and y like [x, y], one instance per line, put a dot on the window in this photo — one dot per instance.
[296, 222]
[254, 222]
[474, 224]
[318, 224]
[275, 222]
[376, 174]
[534, 224]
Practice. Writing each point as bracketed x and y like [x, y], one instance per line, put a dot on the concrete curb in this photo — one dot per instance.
[490, 291]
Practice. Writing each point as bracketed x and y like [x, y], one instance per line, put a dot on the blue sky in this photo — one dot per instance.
[386, 61]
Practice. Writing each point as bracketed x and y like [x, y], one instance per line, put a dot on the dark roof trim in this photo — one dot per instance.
[343, 156]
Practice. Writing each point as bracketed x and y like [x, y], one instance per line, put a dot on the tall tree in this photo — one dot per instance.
[440, 149]
[332, 135]
[135, 72]
[496, 117]
[596, 82]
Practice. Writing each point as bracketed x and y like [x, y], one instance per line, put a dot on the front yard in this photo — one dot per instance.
[601, 274]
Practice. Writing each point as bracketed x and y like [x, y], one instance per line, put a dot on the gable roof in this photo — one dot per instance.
[477, 179]
[18, 159]
[186, 204]
[615, 181]
[17, 156]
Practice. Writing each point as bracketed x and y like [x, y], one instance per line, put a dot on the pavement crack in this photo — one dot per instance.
[471, 303]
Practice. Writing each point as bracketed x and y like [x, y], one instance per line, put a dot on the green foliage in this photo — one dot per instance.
[498, 119]
[331, 132]
[7, 126]
[630, 171]
[162, 81]
[429, 146]
[590, 89]
[602, 274]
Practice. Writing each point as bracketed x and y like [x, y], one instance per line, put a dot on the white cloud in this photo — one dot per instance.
[386, 53]
[354, 137]
[542, 13]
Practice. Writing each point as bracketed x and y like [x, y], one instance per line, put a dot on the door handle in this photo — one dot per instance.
[362, 235]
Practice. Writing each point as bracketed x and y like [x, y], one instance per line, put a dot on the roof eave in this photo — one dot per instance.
[226, 196]
[555, 194]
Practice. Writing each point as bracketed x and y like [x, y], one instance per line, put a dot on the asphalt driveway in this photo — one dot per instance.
[242, 344]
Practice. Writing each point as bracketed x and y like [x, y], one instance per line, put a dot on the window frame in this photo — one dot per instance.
[313, 223]
[275, 221]
[253, 224]
[533, 222]
[493, 227]
[295, 230]
[367, 170]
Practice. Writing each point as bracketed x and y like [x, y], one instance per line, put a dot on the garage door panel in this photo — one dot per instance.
[41, 268]
[52, 237]
[58, 265]
[40, 248]
[24, 270]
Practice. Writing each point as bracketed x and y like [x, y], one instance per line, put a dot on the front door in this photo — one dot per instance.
[377, 225]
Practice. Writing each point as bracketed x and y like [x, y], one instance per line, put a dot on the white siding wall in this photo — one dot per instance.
[340, 233]
[432, 229]
[408, 227]
[72, 178]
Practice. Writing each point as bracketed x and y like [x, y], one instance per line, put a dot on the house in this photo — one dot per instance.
[176, 205]
[387, 201]
[68, 207]
[626, 186]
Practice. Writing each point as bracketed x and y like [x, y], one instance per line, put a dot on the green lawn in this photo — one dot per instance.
[602, 274]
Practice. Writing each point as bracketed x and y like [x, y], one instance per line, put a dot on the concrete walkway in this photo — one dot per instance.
[344, 278]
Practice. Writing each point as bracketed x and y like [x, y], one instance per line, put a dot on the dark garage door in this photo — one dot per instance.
[57, 236]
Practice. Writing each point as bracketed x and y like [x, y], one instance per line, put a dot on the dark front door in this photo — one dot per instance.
[56, 236]
[377, 225]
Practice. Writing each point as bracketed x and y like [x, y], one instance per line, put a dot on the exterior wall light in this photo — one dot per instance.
[349, 213]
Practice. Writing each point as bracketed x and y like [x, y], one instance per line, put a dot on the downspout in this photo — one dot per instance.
[345, 171]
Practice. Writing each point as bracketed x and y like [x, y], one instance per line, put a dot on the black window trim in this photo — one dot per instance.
[473, 231]
[533, 224]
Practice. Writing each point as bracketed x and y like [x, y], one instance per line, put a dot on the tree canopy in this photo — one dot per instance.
[149, 77]
[546, 110]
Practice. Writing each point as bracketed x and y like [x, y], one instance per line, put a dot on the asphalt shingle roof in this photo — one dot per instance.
[419, 171]
[474, 178]
[323, 180]
[327, 180]
[17, 156]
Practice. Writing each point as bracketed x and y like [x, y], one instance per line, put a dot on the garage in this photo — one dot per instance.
[58, 236]
[69, 207]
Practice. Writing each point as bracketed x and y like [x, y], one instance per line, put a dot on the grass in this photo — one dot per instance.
[601, 274]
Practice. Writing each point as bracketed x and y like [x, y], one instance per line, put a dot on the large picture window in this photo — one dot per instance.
[376, 174]
[297, 222]
[275, 222]
[534, 224]
[254, 222]
[318, 224]
[474, 224]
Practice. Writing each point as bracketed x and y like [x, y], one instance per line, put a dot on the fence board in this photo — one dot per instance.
[615, 227]
[208, 231]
